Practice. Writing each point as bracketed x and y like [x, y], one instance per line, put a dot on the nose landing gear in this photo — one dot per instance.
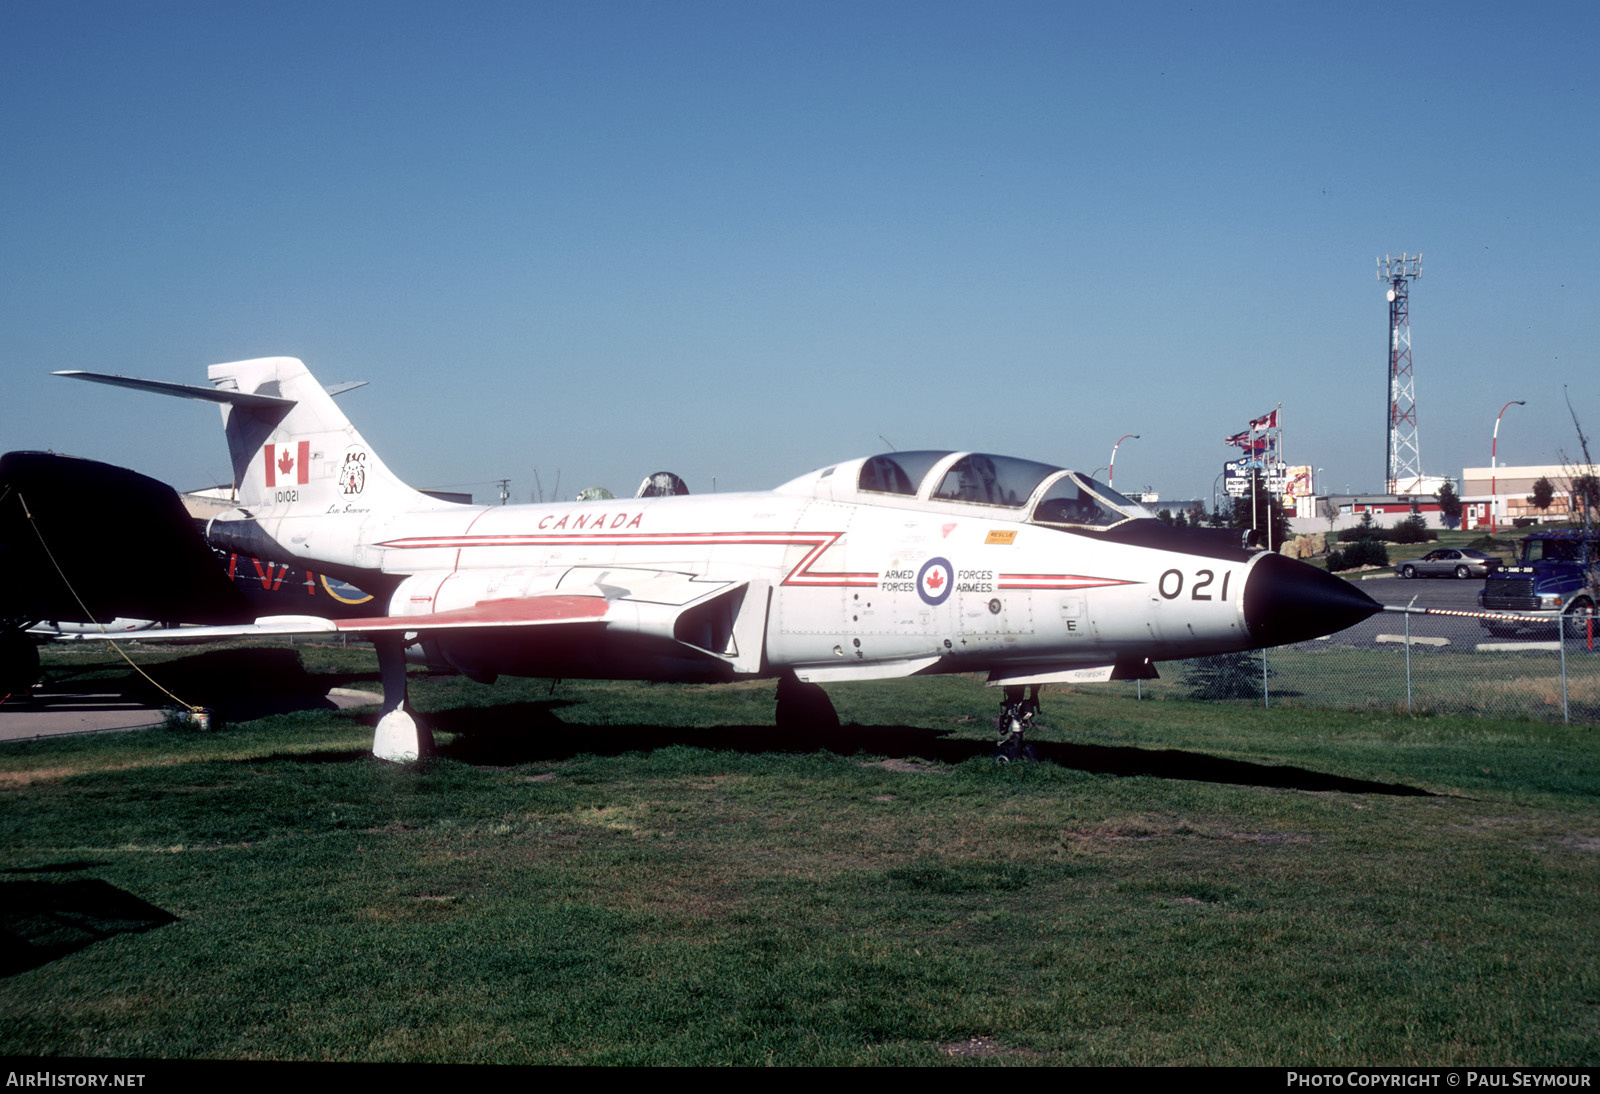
[1016, 718]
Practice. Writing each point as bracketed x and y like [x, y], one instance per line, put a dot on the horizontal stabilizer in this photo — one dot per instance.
[184, 391]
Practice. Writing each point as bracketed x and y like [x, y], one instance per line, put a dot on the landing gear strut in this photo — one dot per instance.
[1016, 718]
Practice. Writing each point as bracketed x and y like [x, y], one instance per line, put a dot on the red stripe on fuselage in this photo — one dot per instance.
[802, 573]
[1057, 581]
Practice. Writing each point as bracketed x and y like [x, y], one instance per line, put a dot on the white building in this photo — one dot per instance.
[1508, 493]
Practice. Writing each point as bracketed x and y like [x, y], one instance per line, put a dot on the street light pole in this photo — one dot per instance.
[1494, 444]
[1111, 469]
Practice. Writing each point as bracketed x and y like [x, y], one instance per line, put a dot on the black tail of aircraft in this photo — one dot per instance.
[87, 542]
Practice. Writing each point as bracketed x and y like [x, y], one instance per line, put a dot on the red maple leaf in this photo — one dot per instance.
[935, 579]
[285, 462]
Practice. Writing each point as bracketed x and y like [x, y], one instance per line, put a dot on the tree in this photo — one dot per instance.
[1586, 496]
[1225, 676]
[1363, 549]
[1414, 528]
[1544, 493]
[1449, 505]
[1266, 517]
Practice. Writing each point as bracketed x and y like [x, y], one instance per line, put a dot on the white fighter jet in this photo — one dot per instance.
[894, 565]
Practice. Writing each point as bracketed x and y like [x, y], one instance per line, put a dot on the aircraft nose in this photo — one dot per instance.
[1288, 601]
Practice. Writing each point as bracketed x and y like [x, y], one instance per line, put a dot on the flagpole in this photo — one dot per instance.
[1277, 416]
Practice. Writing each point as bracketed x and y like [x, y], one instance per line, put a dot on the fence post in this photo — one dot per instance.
[1266, 695]
[1408, 652]
[1561, 643]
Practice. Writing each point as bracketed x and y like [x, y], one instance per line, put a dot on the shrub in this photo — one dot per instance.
[1363, 552]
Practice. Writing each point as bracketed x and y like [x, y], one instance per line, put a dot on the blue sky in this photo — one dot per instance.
[744, 240]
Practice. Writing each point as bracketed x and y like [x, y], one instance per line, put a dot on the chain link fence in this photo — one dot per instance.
[1415, 664]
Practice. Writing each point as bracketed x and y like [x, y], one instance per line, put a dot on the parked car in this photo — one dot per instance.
[1449, 562]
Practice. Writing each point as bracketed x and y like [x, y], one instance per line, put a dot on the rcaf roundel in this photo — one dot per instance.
[934, 581]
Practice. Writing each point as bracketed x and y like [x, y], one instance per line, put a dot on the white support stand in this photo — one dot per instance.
[400, 738]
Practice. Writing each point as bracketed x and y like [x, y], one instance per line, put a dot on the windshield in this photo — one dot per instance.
[1078, 499]
[1552, 550]
[992, 480]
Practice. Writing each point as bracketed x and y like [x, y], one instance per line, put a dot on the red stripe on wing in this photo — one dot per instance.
[523, 611]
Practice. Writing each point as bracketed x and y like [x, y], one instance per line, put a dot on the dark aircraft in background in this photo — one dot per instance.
[85, 545]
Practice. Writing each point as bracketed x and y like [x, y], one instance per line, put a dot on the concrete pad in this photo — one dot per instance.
[345, 698]
[52, 714]
[1415, 640]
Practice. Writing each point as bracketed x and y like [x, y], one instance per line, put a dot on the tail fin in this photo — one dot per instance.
[294, 452]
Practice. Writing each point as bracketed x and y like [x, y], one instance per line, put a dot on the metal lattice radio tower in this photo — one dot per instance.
[1403, 463]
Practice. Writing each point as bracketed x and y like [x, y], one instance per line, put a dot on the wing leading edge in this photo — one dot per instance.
[521, 612]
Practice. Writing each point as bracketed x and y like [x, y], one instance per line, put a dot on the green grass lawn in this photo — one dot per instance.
[626, 874]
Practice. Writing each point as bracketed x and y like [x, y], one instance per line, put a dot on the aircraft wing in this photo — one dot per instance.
[722, 619]
[521, 612]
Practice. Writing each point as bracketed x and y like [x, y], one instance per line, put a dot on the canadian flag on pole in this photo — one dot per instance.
[292, 467]
[1266, 421]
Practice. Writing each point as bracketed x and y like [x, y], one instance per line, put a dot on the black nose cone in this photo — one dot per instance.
[1288, 601]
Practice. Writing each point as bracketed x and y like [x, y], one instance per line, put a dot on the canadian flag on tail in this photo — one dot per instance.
[293, 467]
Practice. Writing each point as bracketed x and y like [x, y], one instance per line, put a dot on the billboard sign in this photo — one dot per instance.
[1236, 477]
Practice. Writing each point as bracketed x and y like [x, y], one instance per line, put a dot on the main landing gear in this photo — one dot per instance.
[1020, 707]
[804, 706]
[400, 738]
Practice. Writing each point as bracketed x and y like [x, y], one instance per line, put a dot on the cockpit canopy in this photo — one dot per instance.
[1051, 495]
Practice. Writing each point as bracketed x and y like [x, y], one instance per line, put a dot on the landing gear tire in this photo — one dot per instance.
[1008, 752]
[804, 706]
[1574, 621]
